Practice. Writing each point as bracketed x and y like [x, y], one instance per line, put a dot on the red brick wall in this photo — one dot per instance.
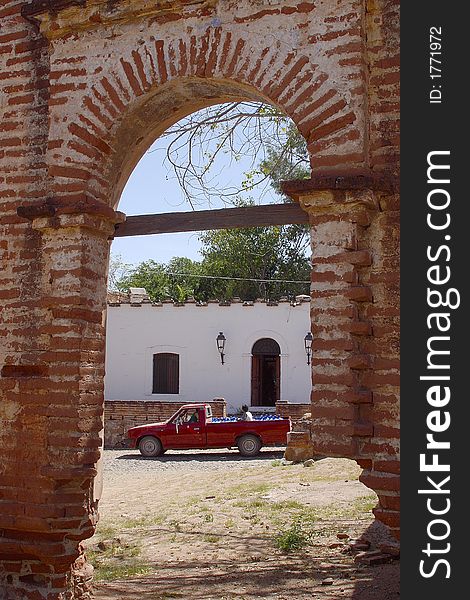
[382, 48]
[380, 454]
[355, 326]
[83, 93]
[121, 415]
[355, 282]
[47, 450]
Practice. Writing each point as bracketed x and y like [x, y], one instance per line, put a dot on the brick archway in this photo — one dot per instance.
[106, 122]
[85, 89]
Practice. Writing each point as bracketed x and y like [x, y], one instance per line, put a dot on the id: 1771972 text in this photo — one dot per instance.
[435, 64]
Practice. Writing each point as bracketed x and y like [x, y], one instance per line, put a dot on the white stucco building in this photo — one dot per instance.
[168, 352]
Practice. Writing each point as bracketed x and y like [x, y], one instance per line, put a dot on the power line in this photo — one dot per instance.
[238, 278]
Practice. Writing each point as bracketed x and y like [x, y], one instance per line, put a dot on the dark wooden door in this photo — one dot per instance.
[255, 380]
[270, 380]
[265, 379]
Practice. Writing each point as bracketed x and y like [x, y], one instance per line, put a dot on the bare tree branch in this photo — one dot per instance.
[253, 132]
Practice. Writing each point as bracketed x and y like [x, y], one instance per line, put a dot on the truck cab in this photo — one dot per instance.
[188, 426]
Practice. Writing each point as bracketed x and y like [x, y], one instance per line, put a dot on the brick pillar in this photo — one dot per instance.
[56, 388]
[355, 327]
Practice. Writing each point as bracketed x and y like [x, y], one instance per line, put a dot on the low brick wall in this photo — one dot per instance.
[299, 440]
[299, 446]
[293, 410]
[121, 415]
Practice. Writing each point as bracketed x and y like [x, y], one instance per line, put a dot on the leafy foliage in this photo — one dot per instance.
[262, 253]
[117, 271]
[293, 538]
[150, 275]
[159, 281]
[289, 161]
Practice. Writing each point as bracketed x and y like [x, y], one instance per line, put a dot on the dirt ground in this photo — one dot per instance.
[215, 526]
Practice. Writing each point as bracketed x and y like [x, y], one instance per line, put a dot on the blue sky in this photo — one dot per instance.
[151, 188]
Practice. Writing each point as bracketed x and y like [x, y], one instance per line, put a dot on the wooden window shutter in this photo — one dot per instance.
[165, 373]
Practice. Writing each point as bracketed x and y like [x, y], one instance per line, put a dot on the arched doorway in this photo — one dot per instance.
[265, 372]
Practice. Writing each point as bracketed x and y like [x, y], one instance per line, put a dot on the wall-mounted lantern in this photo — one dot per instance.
[308, 345]
[221, 345]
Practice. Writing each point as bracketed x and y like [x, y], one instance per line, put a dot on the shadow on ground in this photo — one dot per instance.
[202, 457]
[318, 573]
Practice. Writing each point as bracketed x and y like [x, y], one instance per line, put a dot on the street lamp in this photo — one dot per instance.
[221, 345]
[308, 345]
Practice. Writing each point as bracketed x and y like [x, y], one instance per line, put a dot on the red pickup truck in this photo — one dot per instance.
[192, 427]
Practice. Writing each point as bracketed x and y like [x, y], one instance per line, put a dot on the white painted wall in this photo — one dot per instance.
[136, 333]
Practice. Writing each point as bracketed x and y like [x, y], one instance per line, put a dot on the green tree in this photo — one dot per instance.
[244, 263]
[260, 253]
[181, 287]
[163, 280]
[285, 161]
[150, 275]
[117, 271]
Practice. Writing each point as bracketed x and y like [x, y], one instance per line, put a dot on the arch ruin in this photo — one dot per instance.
[86, 86]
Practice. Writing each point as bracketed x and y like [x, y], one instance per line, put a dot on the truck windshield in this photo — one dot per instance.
[190, 415]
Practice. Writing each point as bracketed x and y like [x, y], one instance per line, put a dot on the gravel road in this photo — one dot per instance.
[118, 463]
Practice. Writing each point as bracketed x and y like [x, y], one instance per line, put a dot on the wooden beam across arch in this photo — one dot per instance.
[203, 220]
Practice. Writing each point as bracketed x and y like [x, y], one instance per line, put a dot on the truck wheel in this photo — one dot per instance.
[150, 446]
[249, 445]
